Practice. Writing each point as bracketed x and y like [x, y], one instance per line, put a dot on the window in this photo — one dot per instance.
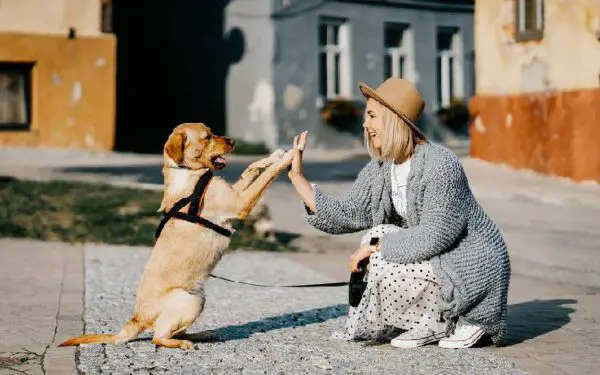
[449, 66]
[529, 20]
[334, 64]
[15, 96]
[398, 59]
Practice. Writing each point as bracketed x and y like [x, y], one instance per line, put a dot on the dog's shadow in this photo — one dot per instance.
[289, 320]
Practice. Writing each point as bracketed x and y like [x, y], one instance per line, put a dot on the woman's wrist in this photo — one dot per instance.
[304, 190]
[295, 176]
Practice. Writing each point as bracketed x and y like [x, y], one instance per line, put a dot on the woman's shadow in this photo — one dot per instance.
[528, 320]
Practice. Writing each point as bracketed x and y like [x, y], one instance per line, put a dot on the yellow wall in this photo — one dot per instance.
[73, 90]
[50, 16]
[567, 58]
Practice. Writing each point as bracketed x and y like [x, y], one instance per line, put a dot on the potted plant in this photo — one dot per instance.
[454, 116]
[341, 113]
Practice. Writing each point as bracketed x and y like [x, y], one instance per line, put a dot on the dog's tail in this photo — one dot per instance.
[129, 331]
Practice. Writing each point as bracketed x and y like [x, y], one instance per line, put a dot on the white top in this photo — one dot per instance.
[399, 178]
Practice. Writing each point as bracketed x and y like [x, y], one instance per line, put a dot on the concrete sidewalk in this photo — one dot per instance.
[41, 305]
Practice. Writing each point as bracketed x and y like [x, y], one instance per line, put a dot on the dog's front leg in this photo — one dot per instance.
[250, 196]
[255, 169]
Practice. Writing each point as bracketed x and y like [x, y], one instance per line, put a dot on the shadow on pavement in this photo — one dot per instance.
[294, 319]
[528, 320]
[345, 170]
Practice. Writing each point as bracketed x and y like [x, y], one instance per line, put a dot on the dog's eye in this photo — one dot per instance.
[208, 137]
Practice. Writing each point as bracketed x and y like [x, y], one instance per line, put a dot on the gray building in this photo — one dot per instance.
[299, 54]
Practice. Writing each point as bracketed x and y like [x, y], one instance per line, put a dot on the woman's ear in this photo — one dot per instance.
[175, 147]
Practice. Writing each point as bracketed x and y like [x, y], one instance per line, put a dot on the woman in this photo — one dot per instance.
[440, 270]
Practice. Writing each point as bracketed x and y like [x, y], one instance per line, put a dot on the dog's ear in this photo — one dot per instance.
[175, 147]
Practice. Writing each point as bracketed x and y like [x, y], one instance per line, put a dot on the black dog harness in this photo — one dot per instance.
[196, 201]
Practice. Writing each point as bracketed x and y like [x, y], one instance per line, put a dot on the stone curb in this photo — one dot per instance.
[69, 320]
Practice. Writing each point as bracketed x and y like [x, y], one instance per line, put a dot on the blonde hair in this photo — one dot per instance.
[398, 140]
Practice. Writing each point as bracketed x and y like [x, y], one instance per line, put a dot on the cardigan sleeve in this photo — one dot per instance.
[349, 213]
[443, 216]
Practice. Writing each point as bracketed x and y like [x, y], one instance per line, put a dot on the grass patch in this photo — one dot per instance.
[78, 212]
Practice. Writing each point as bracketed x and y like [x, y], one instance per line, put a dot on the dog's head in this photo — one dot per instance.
[194, 146]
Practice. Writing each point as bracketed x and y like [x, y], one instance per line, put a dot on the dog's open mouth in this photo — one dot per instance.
[218, 161]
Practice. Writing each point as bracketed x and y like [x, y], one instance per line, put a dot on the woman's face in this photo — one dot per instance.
[373, 124]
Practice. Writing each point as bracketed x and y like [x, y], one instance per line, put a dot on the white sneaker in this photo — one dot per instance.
[416, 337]
[465, 336]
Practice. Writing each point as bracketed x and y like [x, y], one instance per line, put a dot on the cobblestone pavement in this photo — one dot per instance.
[553, 327]
[256, 330]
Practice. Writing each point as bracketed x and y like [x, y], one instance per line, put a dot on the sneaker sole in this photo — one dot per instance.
[406, 344]
[461, 344]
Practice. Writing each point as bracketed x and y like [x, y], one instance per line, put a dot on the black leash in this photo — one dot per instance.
[322, 285]
[196, 201]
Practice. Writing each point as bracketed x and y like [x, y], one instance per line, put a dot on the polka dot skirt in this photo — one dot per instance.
[398, 296]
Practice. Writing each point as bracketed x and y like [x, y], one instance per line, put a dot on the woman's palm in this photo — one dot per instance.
[299, 144]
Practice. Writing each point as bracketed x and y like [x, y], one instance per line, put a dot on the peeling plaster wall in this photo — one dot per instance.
[538, 103]
[73, 90]
[567, 58]
[250, 88]
[50, 16]
[554, 133]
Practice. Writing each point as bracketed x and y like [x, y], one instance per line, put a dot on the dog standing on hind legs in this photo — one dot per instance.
[170, 294]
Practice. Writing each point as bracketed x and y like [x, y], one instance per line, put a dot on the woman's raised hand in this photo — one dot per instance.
[299, 144]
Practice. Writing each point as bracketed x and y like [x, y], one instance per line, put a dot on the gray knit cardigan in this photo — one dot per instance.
[444, 224]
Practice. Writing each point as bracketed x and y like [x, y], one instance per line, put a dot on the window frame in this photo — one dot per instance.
[454, 71]
[342, 51]
[405, 50]
[26, 69]
[526, 35]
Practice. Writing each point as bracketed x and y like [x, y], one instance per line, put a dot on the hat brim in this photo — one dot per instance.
[368, 92]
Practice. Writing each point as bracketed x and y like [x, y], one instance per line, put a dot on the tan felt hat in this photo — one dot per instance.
[401, 97]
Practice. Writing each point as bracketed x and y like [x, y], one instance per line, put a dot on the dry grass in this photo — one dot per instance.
[79, 212]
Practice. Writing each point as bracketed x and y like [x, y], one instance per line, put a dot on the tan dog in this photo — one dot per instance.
[170, 295]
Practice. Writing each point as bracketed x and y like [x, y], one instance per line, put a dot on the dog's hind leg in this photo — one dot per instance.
[181, 310]
[130, 331]
[167, 326]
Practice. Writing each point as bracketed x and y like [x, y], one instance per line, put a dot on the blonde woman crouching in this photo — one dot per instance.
[438, 266]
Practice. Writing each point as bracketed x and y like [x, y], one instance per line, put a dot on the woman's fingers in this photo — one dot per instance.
[354, 262]
[302, 141]
[295, 141]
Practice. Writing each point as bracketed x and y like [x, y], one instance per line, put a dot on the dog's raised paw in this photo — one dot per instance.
[277, 154]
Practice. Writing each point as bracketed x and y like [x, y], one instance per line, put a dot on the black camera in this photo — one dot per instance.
[357, 283]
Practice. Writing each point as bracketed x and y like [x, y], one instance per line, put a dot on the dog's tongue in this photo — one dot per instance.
[221, 160]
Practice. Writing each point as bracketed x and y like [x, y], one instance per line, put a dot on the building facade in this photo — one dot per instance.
[299, 55]
[57, 75]
[538, 86]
